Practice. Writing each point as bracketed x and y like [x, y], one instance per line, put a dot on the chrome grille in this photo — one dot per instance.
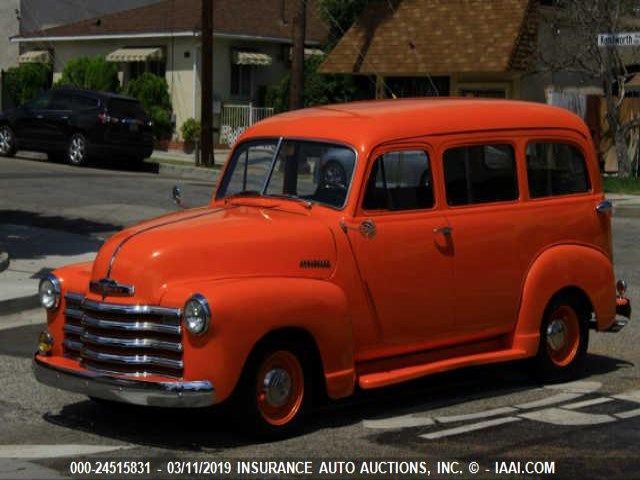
[136, 340]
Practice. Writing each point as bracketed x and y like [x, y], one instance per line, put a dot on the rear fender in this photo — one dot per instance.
[557, 268]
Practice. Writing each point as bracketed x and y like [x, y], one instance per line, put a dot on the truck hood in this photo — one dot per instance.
[215, 243]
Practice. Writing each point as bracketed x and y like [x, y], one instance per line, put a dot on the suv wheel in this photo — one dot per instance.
[77, 150]
[564, 338]
[7, 141]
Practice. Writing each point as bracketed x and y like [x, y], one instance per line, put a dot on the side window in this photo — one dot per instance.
[81, 102]
[480, 174]
[555, 169]
[400, 181]
[60, 101]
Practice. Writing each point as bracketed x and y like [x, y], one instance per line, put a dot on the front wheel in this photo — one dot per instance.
[77, 150]
[274, 390]
[564, 338]
[7, 141]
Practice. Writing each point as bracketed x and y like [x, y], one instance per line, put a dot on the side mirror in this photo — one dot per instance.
[177, 196]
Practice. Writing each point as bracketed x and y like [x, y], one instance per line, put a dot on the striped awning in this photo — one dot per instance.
[35, 56]
[252, 58]
[135, 55]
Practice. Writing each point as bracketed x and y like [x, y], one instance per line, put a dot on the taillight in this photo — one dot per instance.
[104, 118]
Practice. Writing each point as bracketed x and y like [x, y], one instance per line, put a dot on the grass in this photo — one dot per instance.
[621, 185]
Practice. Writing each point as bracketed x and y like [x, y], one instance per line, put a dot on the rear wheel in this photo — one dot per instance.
[77, 150]
[564, 338]
[7, 141]
[274, 390]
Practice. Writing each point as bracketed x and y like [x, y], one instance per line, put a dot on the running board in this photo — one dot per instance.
[399, 375]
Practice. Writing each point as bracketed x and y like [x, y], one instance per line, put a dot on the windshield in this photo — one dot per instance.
[300, 169]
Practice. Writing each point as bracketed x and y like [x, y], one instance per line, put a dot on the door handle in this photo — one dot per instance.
[368, 228]
[446, 231]
[39, 117]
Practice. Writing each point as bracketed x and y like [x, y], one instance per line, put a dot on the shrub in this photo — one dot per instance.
[93, 73]
[153, 93]
[190, 130]
[27, 81]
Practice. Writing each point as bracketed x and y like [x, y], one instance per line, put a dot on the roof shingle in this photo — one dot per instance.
[261, 18]
[437, 37]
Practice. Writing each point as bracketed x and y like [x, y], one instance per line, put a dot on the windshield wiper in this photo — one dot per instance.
[307, 203]
[243, 193]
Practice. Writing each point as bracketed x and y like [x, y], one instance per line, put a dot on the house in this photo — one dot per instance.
[251, 47]
[440, 47]
[17, 16]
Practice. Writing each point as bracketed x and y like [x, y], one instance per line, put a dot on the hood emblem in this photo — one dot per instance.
[106, 287]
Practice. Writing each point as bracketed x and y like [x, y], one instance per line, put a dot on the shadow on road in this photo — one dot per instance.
[217, 429]
[29, 235]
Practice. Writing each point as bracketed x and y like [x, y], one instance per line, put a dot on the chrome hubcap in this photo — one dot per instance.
[277, 387]
[557, 334]
[6, 141]
[76, 150]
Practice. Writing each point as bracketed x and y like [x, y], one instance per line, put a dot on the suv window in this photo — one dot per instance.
[480, 174]
[82, 102]
[60, 101]
[400, 181]
[555, 169]
[123, 108]
[39, 103]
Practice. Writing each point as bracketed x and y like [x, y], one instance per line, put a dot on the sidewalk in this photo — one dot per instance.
[33, 252]
[179, 164]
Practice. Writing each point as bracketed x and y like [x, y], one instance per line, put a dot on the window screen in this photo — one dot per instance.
[555, 169]
[400, 181]
[480, 174]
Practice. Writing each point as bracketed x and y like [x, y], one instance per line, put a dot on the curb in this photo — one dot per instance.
[15, 305]
[194, 173]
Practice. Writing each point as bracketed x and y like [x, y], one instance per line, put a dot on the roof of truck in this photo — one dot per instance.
[374, 122]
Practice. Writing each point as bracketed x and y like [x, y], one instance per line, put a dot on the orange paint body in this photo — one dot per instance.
[381, 309]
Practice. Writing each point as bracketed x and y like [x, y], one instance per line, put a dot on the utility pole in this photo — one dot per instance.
[206, 86]
[297, 55]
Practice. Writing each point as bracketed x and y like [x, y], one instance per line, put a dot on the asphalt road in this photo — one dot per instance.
[496, 415]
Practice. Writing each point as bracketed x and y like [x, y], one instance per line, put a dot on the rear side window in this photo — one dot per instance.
[83, 102]
[400, 181]
[123, 108]
[60, 101]
[480, 174]
[556, 169]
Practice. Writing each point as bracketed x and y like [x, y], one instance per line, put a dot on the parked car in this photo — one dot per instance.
[76, 125]
[460, 232]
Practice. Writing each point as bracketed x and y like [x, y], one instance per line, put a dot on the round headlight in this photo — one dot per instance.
[197, 314]
[49, 292]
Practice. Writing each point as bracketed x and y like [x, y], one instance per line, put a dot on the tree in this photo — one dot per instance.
[93, 73]
[339, 15]
[153, 93]
[574, 49]
[27, 81]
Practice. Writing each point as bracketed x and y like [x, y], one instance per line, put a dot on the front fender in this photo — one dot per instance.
[244, 310]
[555, 269]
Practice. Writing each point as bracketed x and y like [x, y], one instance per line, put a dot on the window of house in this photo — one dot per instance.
[136, 69]
[555, 169]
[241, 80]
[480, 174]
[400, 181]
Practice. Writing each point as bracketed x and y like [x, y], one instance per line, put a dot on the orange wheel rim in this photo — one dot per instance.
[280, 388]
[563, 336]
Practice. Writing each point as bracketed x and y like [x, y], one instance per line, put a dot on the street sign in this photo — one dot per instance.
[625, 39]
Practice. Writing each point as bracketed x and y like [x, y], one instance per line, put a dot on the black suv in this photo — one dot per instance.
[75, 125]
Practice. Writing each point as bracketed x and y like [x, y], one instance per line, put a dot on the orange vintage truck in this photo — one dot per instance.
[349, 246]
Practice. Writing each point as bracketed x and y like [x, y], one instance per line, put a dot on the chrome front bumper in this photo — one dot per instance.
[126, 390]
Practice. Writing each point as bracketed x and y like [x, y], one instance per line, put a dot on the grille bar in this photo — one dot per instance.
[130, 342]
[118, 339]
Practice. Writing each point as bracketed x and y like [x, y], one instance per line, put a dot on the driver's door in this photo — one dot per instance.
[29, 123]
[401, 243]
